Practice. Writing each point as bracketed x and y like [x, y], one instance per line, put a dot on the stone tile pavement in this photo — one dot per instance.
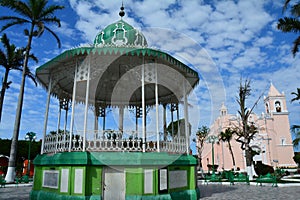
[211, 191]
[250, 192]
[11, 192]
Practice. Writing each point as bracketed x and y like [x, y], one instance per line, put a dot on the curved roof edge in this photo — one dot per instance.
[118, 50]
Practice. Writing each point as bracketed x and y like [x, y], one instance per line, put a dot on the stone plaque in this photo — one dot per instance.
[148, 181]
[78, 181]
[64, 181]
[177, 179]
[50, 178]
[163, 179]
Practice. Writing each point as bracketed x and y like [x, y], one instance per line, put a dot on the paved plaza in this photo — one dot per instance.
[210, 191]
[11, 192]
[253, 192]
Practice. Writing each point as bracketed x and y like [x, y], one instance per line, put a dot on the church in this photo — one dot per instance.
[273, 142]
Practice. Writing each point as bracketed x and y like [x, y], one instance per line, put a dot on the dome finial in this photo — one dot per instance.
[122, 13]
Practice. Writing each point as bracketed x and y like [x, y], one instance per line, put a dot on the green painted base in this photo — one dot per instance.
[183, 195]
[94, 176]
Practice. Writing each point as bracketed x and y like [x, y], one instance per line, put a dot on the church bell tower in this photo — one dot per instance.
[278, 127]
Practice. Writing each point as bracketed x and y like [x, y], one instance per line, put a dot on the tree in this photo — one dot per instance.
[295, 130]
[291, 24]
[297, 158]
[37, 14]
[60, 131]
[226, 136]
[246, 132]
[297, 95]
[22, 153]
[201, 136]
[175, 129]
[11, 59]
[172, 128]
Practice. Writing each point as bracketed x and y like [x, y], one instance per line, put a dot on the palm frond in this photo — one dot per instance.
[31, 76]
[32, 57]
[12, 23]
[295, 48]
[286, 5]
[54, 34]
[53, 20]
[288, 24]
[294, 128]
[3, 60]
[296, 94]
[17, 6]
[296, 141]
[295, 10]
[47, 12]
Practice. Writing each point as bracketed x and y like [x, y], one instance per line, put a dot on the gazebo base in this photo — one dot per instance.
[187, 194]
[115, 175]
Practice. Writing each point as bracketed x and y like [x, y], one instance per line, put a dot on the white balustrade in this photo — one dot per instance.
[110, 140]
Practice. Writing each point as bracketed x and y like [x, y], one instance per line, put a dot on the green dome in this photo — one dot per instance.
[120, 34]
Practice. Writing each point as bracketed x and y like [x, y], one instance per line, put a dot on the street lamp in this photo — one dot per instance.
[30, 136]
[212, 139]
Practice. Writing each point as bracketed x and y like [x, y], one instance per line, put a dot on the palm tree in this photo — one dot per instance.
[12, 59]
[291, 24]
[201, 136]
[297, 95]
[295, 130]
[37, 14]
[226, 136]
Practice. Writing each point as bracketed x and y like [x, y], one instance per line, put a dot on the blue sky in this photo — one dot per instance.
[237, 38]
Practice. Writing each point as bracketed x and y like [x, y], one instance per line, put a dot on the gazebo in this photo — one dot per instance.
[118, 72]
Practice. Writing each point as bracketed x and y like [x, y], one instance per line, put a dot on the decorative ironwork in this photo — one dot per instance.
[110, 140]
[102, 112]
[174, 107]
[64, 103]
[82, 70]
[138, 112]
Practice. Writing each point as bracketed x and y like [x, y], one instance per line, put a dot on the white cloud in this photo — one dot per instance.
[237, 38]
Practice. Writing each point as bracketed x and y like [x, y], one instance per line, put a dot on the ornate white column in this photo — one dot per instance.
[186, 118]
[58, 124]
[143, 107]
[86, 105]
[156, 108]
[73, 106]
[46, 114]
[165, 120]
[178, 124]
[172, 119]
[66, 118]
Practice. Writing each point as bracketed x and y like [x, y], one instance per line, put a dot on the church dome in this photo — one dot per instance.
[120, 34]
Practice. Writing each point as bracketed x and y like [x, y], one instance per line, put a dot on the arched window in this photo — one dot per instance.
[278, 106]
[223, 112]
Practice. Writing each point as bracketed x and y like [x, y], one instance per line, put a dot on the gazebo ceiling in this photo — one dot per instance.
[115, 73]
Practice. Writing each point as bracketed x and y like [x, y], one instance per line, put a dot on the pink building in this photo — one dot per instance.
[273, 139]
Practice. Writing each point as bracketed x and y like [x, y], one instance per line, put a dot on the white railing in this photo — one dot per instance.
[112, 141]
